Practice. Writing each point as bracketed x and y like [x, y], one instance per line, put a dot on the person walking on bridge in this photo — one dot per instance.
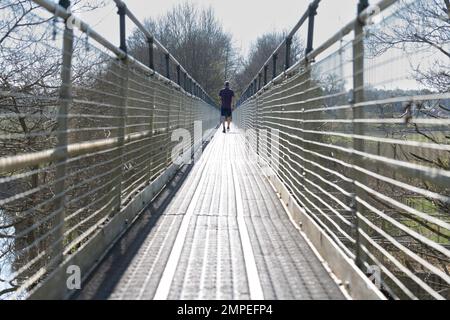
[226, 95]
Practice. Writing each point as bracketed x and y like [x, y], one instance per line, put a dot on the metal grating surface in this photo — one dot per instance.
[211, 263]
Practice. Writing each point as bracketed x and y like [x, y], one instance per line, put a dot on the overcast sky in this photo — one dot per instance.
[244, 19]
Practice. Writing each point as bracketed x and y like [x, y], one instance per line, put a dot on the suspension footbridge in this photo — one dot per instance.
[333, 182]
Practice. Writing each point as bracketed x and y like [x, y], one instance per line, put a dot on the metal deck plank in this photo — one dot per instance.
[306, 277]
[199, 276]
[207, 254]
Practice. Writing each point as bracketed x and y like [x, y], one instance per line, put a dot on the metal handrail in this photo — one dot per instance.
[309, 56]
[112, 144]
[152, 39]
[326, 156]
[308, 13]
[63, 13]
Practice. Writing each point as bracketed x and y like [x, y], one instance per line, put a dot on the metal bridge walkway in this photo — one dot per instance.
[355, 132]
[224, 235]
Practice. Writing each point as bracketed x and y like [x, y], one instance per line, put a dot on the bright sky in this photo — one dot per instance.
[244, 19]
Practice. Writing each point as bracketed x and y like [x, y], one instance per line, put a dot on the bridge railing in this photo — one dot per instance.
[86, 141]
[359, 134]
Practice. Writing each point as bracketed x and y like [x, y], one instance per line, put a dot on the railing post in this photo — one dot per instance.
[260, 81]
[151, 128]
[266, 67]
[122, 18]
[151, 62]
[288, 53]
[358, 128]
[167, 66]
[169, 135]
[312, 12]
[185, 81]
[179, 75]
[123, 101]
[274, 65]
[180, 101]
[65, 98]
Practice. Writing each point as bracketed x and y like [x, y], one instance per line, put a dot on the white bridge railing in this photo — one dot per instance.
[358, 131]
[86, 141]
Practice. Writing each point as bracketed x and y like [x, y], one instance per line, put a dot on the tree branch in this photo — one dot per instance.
[432, 44]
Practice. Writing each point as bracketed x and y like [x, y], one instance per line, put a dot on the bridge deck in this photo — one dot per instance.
[223, 235]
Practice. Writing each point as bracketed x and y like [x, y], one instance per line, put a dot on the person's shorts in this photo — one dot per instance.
[226, 112]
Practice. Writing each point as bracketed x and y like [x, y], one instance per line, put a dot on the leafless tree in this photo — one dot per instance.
[261, 50]
[420, 25]
[420, 31]
[196, 38]
[29, 85]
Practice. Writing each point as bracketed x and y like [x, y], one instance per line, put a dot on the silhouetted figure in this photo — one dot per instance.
[226, 95]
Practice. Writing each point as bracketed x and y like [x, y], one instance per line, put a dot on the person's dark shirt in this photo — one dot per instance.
[227, 95]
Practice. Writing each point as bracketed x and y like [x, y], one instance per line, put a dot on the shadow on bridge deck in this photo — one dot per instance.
[218, 231]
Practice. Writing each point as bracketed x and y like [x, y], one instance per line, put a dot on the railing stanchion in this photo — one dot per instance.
[169, 136]
[151, 138]
[358, 128]
[312, 12]
[266, 67]
[260, 85]
[122, 18]
[274, 65]
[122, 130]
[167, 66]
[179, 75]
[151, 62]
[65, 97]
[123, 101]
[288, 53]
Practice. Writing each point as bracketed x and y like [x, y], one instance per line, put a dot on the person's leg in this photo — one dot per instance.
[223, 119]
[229, 119]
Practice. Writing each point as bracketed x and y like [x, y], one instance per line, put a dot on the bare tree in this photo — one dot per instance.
[29, 85]
[418, 30]
[261, 50]
[196, 38]
[419, 25]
